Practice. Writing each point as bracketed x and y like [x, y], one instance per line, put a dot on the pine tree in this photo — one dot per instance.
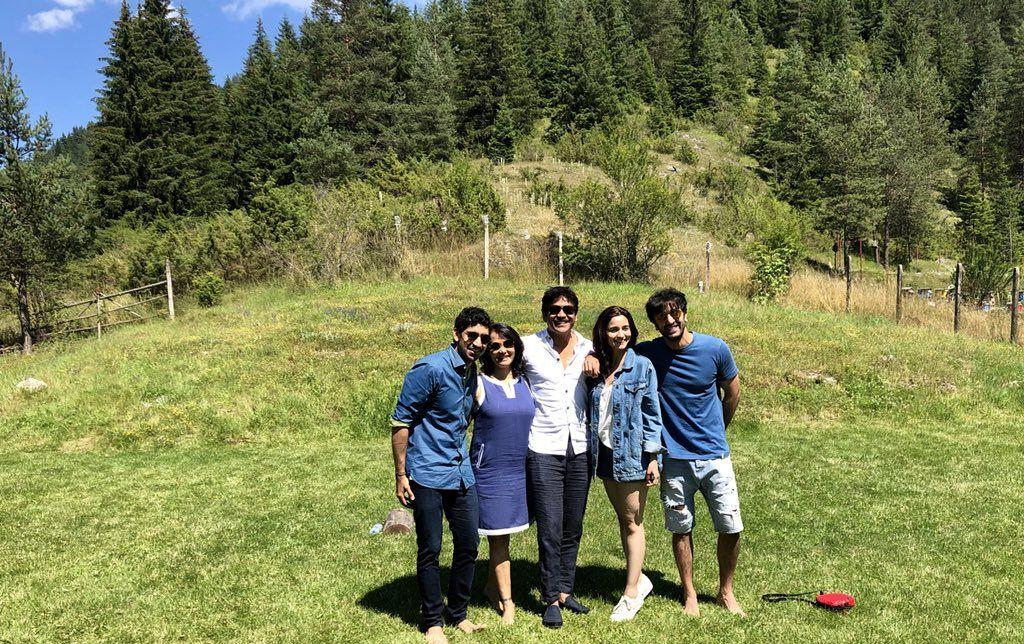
[690, 72]
[425, 115]
[847, 150]
[159, 148]
[289, 89]
[542, 27]
[586, 93]
[917, 157]
[116, 141]
[986, 263]
[259, 134]
[661, 118]
[492, 73]
[783, 136]
[45, 206]
[1012, 107]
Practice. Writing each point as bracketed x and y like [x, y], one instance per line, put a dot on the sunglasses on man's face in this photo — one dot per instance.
[494, 346]
[663, 317]
[568, 310]
[472, 336]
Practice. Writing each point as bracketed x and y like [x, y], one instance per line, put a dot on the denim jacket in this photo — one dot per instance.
[636, 418]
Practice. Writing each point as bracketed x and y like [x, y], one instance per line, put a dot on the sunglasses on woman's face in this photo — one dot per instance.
[471, 336]
[494, 346]
[568, 309]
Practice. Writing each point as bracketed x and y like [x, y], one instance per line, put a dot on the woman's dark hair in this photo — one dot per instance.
[553, 294]
[471, 316]
[601, 346]
[504, 330]
[663, 301]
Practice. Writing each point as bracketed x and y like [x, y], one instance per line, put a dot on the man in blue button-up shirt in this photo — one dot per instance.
[432, 469]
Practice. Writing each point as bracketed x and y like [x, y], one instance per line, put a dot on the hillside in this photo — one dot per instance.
[215, 477]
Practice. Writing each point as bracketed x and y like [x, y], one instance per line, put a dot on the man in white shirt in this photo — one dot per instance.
[558, 475]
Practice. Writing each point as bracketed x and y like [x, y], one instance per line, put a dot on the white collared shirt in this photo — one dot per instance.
[560, 395]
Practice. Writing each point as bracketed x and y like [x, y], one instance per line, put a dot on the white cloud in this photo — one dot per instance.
[52, 20]
[246, 8]
[77, 5]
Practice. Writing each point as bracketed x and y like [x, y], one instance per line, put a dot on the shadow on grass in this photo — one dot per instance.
[399, 597]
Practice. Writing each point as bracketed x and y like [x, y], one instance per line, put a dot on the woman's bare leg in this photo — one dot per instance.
[629, 500]
[501, 574]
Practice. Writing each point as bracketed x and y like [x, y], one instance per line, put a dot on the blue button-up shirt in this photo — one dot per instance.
[435, 404]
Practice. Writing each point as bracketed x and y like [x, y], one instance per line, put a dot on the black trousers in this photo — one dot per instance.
[557, 488]
[463, 514]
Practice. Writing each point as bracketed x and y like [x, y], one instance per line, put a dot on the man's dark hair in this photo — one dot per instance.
[505, 331]
[663, 301]
[471, 316]
[555, 293]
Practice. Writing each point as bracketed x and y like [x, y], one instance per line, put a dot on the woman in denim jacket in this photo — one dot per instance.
[625, 440]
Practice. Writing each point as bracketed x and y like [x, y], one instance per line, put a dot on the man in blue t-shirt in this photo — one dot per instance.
[691, 368]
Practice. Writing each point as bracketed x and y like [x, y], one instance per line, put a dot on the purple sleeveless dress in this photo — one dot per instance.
[497, 452]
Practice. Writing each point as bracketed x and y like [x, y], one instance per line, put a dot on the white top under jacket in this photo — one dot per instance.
[560, 394]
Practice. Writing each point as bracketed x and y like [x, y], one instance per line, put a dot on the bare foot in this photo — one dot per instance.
[467, 626]
[508, 614]
[690, 606]
[728, 601]
[435, 635]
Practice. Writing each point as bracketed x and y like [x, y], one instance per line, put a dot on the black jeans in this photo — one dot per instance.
[463, 514]
[558, 487]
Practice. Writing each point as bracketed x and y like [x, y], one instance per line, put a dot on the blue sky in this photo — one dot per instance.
[56, 45]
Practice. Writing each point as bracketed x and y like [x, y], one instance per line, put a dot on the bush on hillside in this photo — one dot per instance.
[280, 214]
[686, 154]
[619, 147]
[664, 145]
[779, 232]
[208, 289]
[618, 234]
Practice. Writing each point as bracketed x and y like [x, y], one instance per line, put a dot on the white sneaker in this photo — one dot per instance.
[627, 608]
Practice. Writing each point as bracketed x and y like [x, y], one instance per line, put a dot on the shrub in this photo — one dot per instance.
[279, 214]
[208, 289]
[779, 232]
[686, 154]
[615, 147]
[664, 145]
[618, 235]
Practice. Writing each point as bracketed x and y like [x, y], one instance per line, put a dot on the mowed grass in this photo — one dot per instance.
[215, 478]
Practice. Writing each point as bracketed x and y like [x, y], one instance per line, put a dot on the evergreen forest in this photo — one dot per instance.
[889, 122]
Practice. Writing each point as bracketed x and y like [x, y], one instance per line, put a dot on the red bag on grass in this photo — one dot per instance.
[839, 602]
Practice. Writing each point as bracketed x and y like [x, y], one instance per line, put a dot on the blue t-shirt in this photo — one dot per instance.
[688, 389]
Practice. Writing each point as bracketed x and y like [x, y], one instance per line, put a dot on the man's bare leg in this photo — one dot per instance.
[728, 554]
[682, 547]
[435, 635]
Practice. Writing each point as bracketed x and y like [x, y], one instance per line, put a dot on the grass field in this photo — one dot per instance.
[215, 478]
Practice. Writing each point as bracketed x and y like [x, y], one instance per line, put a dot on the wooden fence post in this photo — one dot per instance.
[99, 315]
[170, 289]
[849, 278]
[487, 247]
[561, 261]
[1014, 295]
[899, 293]
[707, 267]
[956, 297]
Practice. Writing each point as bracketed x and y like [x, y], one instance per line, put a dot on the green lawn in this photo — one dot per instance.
[216, 477]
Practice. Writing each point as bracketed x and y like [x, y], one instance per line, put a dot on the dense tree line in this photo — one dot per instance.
[888, 122]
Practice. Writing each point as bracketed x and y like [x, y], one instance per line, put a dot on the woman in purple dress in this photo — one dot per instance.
[501, 431]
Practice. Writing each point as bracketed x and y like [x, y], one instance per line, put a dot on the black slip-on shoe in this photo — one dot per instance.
[573, 605]
[552, 617]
